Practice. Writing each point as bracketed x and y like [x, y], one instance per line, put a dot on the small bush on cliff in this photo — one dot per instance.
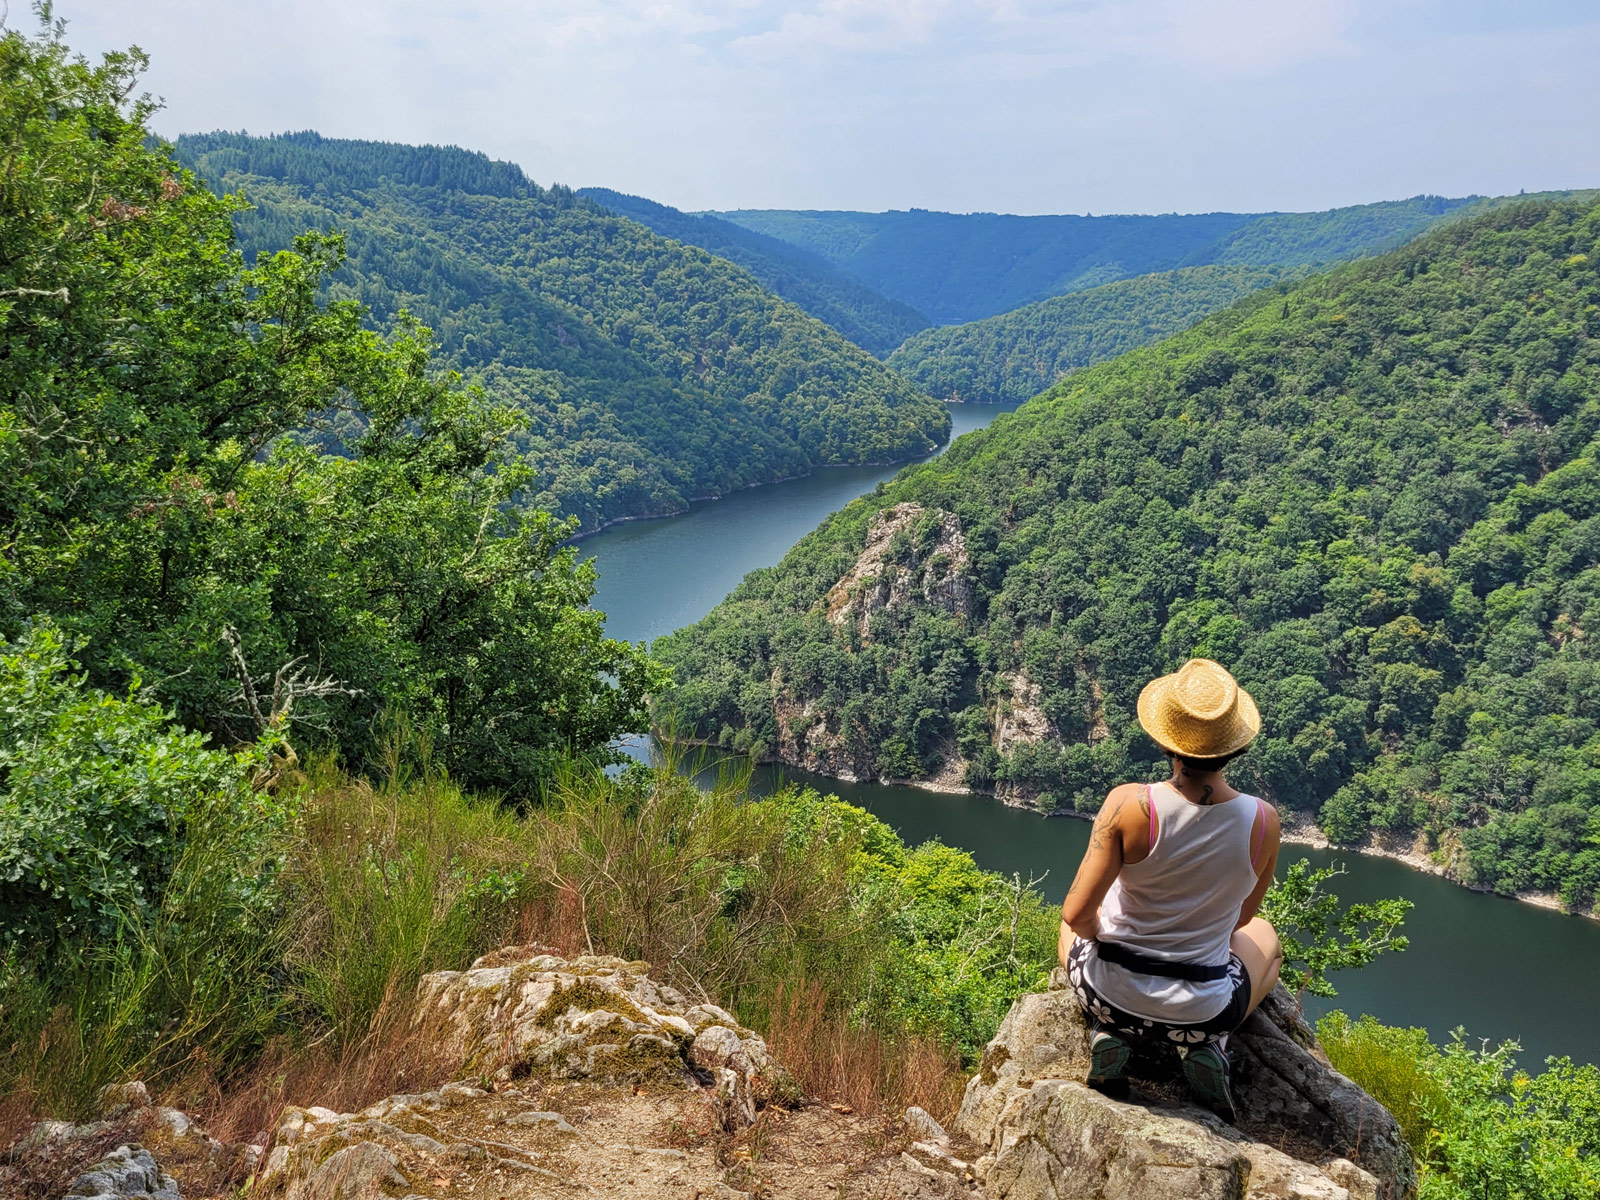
[1319, 936]
[1481, 1129]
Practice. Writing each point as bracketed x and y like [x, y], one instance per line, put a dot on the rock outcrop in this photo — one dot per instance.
[519, 1012]
[134, 1150]
[913, 555]
[585, 1075]
[1305, 1131]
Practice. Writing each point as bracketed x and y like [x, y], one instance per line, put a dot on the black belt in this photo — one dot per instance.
[1115, 952]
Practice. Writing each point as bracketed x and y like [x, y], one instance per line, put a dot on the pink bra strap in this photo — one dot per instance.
[1261, 814]
[1150, 799]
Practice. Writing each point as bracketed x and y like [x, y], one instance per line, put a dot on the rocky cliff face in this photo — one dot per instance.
[587, 1076]
[913, 555]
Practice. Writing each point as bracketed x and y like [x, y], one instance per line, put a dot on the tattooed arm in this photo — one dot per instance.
[1120, 817]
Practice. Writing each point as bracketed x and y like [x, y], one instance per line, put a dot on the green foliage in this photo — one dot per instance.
[743, 900]
[1393, 1067]
[384, 884]
[1318, 936]
[955, 944]
[152, 506]
[1019, 354]
[174, 967]
[1373, 496]
[874, 322]
[649, 373]
[967, 267]
[1480, 1128]
[96, 800]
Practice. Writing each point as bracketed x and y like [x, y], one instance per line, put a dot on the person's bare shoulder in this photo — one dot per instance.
[1125, 802]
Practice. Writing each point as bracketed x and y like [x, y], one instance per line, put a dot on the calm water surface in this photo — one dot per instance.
[1499, 968]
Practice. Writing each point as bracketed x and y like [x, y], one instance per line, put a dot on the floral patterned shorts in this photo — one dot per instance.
[1107, 1016]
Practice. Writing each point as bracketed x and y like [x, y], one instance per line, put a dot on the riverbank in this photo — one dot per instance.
[1298, 829]
[750, 487]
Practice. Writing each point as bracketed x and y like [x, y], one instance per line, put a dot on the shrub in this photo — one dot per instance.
[179, 989]
[1395, 1066]
[1480, 1128]
[96, 799]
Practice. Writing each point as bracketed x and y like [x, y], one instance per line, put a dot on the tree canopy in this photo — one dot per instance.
[155, 512]
[1375, 496]
[649, 373]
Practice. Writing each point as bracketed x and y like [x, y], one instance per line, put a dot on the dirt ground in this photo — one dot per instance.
[550, 1140]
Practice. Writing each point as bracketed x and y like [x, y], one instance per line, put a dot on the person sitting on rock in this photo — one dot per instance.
[1159, 932]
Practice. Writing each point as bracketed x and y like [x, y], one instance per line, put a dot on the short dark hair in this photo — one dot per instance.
[1204, 765]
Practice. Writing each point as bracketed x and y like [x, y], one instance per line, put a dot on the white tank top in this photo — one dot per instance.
[1179, 904]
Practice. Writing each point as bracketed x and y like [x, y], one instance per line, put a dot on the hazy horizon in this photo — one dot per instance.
[1020, 107]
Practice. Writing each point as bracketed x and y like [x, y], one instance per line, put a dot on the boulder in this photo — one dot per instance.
[135, 1150]
[520, 1012]
[127, 1173]
[1304, 1129]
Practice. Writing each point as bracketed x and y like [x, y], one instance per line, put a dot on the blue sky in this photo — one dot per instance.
[989, 105]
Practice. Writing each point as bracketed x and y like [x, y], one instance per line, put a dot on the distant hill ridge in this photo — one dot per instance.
[963, 267]
[651, 372]
[1016, 355]
[869, 319]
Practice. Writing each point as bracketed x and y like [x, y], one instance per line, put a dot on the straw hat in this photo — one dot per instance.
[1199, 712]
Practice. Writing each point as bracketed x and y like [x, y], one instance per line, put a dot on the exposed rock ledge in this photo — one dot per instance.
[1305, 1133]
[587, 1076]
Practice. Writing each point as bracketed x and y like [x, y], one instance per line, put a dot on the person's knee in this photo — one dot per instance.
[1261, 932]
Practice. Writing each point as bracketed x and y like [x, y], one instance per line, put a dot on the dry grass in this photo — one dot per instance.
[840, 1062]
[385, 883]
[391, 1057]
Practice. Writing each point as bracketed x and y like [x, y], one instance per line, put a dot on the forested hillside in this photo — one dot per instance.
[1375, 496]
[650, 372]
[1019, 354]
[870, 320]
[966, 267]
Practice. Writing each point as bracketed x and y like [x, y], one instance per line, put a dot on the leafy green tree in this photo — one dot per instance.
[154, 506]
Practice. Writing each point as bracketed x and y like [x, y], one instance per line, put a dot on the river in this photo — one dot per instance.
[1497, 967]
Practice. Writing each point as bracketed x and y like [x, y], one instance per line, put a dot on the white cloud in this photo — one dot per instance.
[1016, 105]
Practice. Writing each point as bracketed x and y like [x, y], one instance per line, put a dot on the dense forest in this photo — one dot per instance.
[964, 267]
[1019, 354]
[1375, 495]
[870, 320]
[650, 372]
